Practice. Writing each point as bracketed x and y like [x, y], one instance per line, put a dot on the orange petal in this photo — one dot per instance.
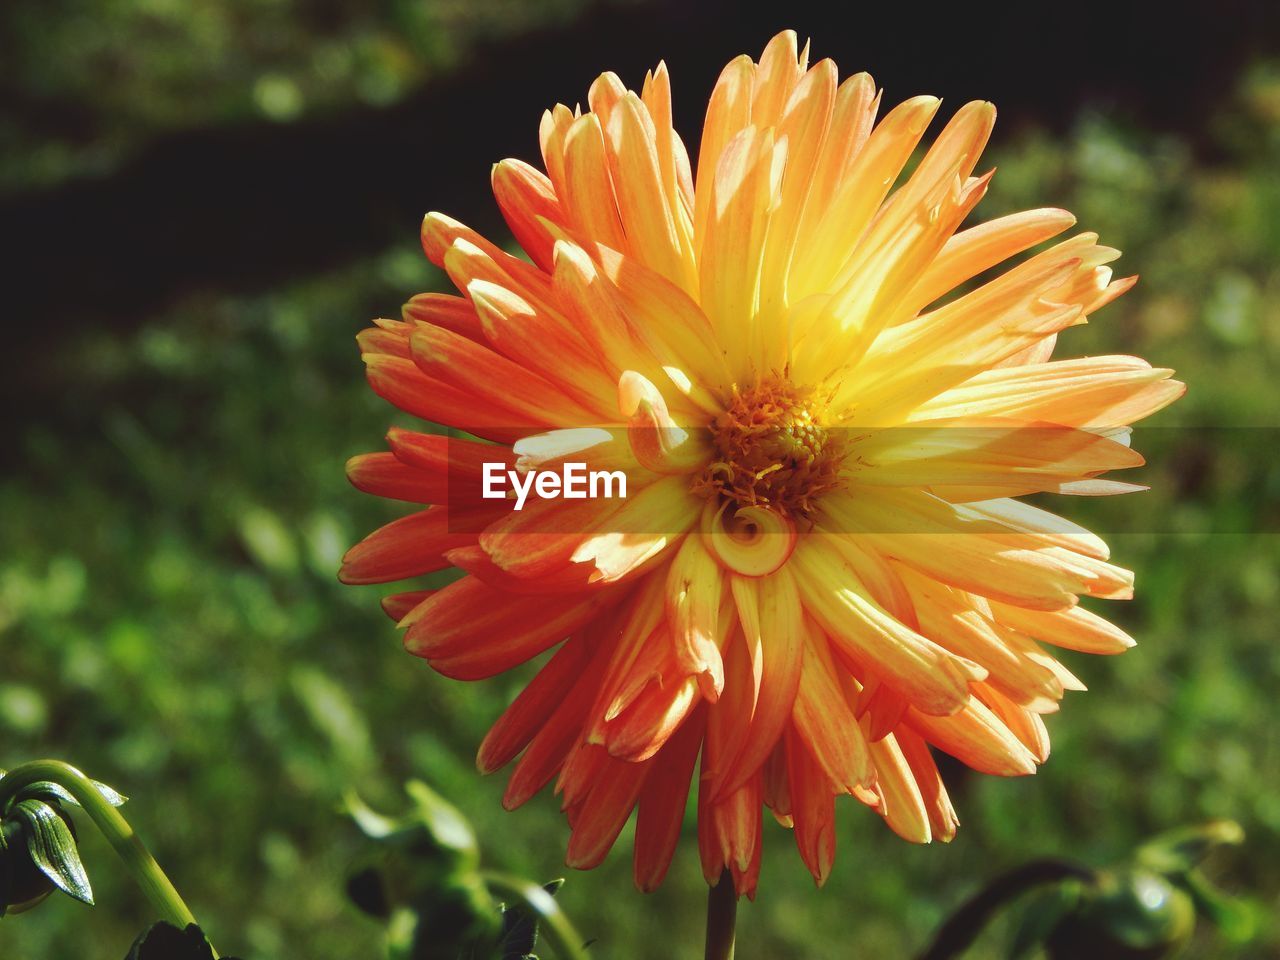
[981, 247]
[408, 547]
[1074, 629]
[775, 786]
[1093, 392]
[662, 804]
[942, 816]
[774, 638]
[728, 112]
[390, 337]
[564, 579]
[860, 194]
[1024, 724]
[604, 812]
[976, 737]
[693, 597]
[545, 343]
[400, 382]
[972, 551]
[657, 442]
[729, 718]
[541, 539]
[470, 630]
[460, 461]
[524, 195]
[1018, 458]
[384, 475]
[901, 803]
[598, 316]
[445, 310]
[644, 727]
[673, 158]
[587, 193]
[852, 118]
[530, 711]
[929, 676]
[730, 252]
[780, 69]
[653, 235]
[560, 733]
[823, 720]
[812, 808]
[950, 618]
[645, 525]
[803, 126]
[1055, 530]
[672, 325]
[465, 256]
[397, 606]
[729, 835]
[493, 381]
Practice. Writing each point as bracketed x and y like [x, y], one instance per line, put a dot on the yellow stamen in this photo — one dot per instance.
[773, 450]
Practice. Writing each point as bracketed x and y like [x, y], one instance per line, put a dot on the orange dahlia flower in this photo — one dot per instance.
[820, 570]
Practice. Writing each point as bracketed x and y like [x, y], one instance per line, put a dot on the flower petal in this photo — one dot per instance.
[929, 676]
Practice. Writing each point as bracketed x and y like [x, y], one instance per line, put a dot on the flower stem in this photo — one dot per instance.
[962, 927]
[555, 926]
[722, 916]
[146, 872]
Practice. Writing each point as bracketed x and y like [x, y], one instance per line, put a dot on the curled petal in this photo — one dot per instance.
[658, 443]
[749, 541]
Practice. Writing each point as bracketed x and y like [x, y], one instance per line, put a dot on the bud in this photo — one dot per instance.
[1133, 914]
[38, 855]
[22, 885]
[424, 881]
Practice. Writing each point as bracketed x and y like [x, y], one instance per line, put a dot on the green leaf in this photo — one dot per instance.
[44, 790]
[520, 928]
[1234, 917]
[444, 821]
[431, 819]
[374, 825]
[52, 847]
[1180, 850]
[164, 941]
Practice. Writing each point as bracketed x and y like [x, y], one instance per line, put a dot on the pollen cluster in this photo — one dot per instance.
[772, 450]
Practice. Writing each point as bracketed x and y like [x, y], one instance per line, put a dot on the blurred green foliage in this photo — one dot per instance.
[170, 620]
[87, 83]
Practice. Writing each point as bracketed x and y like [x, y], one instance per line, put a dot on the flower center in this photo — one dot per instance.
[773, 450]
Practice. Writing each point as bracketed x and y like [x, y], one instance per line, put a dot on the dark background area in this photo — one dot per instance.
[321, 191]
[203, 202]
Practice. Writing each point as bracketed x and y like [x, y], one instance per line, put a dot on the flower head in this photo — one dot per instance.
[821, 571]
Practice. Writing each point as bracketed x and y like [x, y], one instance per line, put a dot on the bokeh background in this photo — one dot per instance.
[202, 201]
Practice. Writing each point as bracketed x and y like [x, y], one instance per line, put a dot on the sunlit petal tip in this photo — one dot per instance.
[659, 444]
[397, 606]
[438, 233]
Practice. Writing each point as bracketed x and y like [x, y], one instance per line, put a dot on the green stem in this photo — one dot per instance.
[956, 935]
[146, 872]
[722, 918]
[555, 926]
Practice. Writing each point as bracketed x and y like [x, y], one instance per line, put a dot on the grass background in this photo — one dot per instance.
[173, 509]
